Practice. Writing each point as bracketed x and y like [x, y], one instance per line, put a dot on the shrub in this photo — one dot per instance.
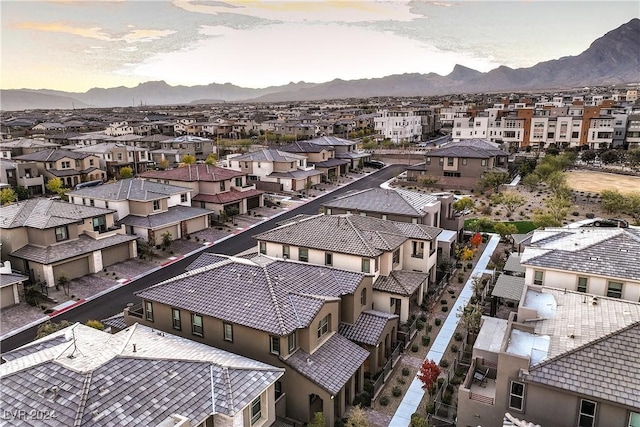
[457, 336]
[396, 391]
[590, 215]
[455, 381]
[460, 279]
[443, 301]
[430, 408]
[438, 322]
[429, 328]
[423, 318]
[419, 325]
[451, 291]
[446, 398]
[444, 363]
[401, 381]
[440, 382]
[469, 265]
[445, 308]
[426, 340]
[384, 400]
[460, 372]
[405, 372]
[415, 348]
[96, 324]
[575, 213]
[454, 348]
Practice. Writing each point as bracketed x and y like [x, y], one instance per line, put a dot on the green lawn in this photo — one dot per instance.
[522, 226]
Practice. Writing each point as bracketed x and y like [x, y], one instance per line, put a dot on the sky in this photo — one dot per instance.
[78, 45]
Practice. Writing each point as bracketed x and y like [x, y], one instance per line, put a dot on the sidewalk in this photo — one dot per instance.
[16, 318]
[414, 394]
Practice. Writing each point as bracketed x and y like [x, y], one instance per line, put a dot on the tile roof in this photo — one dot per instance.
[401, 282]
[509, 287]
[612, 252]
[303, 147]
[350, 234]
[296, 174]
[52, 155]
[135, 189]
[605, 369]
[331, 141]
[173, 215]
[513, 264]
[116, 321]
[329, 163]
[269, 155]
[332, 364]
[387, 201]
[277, 297]
[472, 148]
[44, 213]
[10, 279]
[204, 260]
[191, 173]
[107, 382]
[84, 245]
[230, 196]
[368, 327]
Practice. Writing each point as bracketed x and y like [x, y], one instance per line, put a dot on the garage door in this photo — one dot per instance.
[253, 202]
[72, 269]
[116, 254]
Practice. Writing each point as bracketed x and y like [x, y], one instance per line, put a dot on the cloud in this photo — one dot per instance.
[307, 10]
[96, 33]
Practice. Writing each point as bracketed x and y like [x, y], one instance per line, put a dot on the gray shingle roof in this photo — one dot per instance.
[116, 321]
[605, 369]
[204, 260]
[191, 173]
[131, 189]
[386, 201]
[513, 264]
[509, 287]
[350, 234]
[472, 148]
[107, 383]
[52, 155]
[10, 279]
[331, 141]
[368, 327]
[613, 252]
[277, 297]
[401, 282]
[269, 155]
[303, 147]
[44, 213]
[83, 246]
[173, 215]
[296, 174]
[332, 364]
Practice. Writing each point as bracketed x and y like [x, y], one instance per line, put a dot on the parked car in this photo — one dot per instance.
[376, 164]
[611, 222]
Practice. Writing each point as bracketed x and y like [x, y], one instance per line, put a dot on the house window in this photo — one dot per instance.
[100, 224]
[278, 389]
[90, 162]
[449, 161]
[92, 202]
[587, 416]
[263, 247]
[291, 342]
[363, 297]
[246, 164]
[274, 345]
[156, 205]
[175, 318]
[441, 160]
[366, 265]
[384, 216]
[582, 284]
[614, 289]
[516, 396]
[84, 201]
[66, 165]
[256, 411]
[464, 162]
[303, 254]
[228, 331]
[62, 233]
[323, 326]
[106, 205]
[183, 198]
[222, 186]
[428, 160]
[286, 252]
[328, 211]
[634, 419]
[148, 311]
[483, 162]
[418, 249]
[328, 258]
[537, 277]
[396, 257]
[239, 181]
[196, 325]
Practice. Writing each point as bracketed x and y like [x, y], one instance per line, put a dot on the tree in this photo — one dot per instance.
[22, 192]
[48, 327]
[505, 229]
[163, 164]
[465, 253]
[357, 418]
[531, 181]
[318, 420]
[471, 317]
[7, 196]
[610, 156]
[428, 374]
[633, 206]
[166, 239]
[543, 220]
[188, 159]
[446, 265]
[612, 200]
[428, 181]
[510, 201]
[463, 204]
[54, 185]
[211, 159]
[494, 180]
[557, 182]
[126, 172]
[482, 224]
[558, 207]
[633, 156]
[64, 282]
[231, 212]
[476, 240]
[588, 156]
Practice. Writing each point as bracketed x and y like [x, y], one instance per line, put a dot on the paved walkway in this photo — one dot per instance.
[413, 397]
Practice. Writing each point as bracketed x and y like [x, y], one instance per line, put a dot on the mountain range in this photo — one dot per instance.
[611, 59]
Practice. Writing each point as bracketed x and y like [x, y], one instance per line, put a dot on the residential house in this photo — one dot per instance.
[401, 257]
[461, 164]
[321, 157]
[147, 209]
[217, 189]
[344, 149]
[633, 131]
[564, 359]
[22, 174]
[11, 286]
[283, 313]
[19, 147]
[114, 156]
[46, 239]
[595, 260]
[195, 146]
[85, 377]
[275, 170]
[72, 168]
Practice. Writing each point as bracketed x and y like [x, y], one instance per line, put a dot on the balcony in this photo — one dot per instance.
[108, 232]
[245, 187]
[134, 311]
[477, 386]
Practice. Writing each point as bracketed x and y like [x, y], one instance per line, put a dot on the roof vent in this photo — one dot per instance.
[594, 301]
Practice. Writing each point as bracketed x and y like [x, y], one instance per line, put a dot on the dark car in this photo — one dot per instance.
[376, 164]
[611, 222]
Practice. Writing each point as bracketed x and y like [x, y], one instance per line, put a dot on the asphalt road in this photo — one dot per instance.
[115, 301]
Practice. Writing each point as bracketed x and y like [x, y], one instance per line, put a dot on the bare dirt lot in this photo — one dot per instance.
[595, 182]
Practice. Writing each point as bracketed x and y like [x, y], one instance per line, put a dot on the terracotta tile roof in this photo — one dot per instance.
[191, 173]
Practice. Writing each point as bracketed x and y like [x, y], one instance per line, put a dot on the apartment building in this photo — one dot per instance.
[564, 359]
[283, 313]
[400, 257]
[24, 174]
[82, 376]
[399, 125]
